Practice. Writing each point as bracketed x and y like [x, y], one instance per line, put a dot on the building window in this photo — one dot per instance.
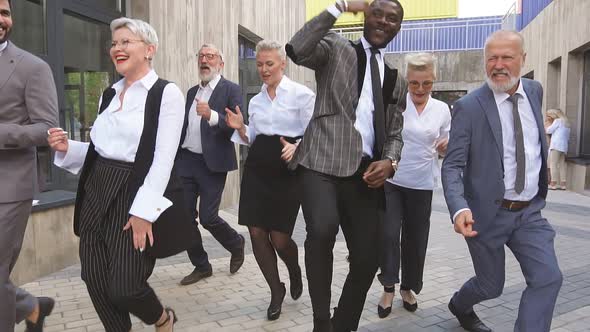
[29, 29]
[585, 129]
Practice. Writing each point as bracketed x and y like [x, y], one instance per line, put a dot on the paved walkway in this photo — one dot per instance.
[238, 302]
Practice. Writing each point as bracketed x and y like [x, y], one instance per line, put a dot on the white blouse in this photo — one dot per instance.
[116, 134]
[287, 115]
[418, 166]
[560, 134]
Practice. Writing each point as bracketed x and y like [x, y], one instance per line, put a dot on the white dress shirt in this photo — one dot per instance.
[532, 145]
[192, 141]
[560, 135]
[3, 47]
[364, 110]
[286, 115]
[116, 133]
[418, 166]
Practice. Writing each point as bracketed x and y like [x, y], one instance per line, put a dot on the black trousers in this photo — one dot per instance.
[114, 272]
[329, 202]
[409, 210]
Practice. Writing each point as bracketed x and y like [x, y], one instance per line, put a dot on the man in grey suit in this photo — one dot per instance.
[351, 145]
[28, 108]
[495, 184]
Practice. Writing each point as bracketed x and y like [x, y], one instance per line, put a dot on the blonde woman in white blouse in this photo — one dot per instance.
[408, 194]
[269, 201]
[117, 204]
[559, 129]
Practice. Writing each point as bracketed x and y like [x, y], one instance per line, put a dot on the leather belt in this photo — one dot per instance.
[514, 205]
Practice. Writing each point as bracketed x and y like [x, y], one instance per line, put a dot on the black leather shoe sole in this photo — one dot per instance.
[469, 321]
[237, 259]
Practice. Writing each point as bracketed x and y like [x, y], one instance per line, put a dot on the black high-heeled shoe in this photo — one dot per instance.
[274, 309]
[296, 285]
[384, 312]
[169, 311]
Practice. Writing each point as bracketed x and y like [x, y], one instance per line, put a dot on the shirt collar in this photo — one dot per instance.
[213, 83]
[3, 46]
[147, 81]
[501, 97]
[367, 46]
[283, 85]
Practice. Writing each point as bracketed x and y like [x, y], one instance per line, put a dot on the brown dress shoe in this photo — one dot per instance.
[237, 257]
[195, 276]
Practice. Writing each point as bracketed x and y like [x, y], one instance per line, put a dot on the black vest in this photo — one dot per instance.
[173, 232]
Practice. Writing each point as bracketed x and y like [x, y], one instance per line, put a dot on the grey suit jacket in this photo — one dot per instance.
[473, 169]
[331, 145]
[28, 108]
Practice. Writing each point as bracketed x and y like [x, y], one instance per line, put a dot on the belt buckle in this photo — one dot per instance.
[510, 206]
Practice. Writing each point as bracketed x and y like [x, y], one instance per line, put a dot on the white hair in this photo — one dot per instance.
[138, 27]
[421, 62]
[504, 34]
[212, 46]
[269, 45]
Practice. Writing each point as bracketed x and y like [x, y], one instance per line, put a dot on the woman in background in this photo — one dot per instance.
[558, 127]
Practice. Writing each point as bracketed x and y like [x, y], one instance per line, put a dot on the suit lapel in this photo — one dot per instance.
[8, 61]
[362, 64]
[536, 106]
[490, 109]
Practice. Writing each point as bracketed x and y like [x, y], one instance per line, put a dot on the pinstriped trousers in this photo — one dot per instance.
[114, 272]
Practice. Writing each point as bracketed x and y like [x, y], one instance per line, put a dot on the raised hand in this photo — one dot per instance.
[57, 139]
[203, 109]
[356, 6]
[234, 120]
[464, 224]
[288, 150]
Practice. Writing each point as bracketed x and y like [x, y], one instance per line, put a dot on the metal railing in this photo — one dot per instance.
[437, 35]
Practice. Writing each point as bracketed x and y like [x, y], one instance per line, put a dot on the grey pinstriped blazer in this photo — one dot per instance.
[331, 145]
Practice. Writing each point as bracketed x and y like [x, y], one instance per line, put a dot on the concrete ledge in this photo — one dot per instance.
[49, 245]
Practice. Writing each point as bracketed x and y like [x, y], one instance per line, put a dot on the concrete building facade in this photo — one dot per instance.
[557, 42]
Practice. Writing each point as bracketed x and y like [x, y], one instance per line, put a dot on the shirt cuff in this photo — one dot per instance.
[457, 213]
[72, 160]
[149, 204]
[236, 138]
[334, 11]
[214, 119]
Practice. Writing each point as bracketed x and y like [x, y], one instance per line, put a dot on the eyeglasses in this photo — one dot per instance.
[123, 43]
[209, 56]
[416, 84]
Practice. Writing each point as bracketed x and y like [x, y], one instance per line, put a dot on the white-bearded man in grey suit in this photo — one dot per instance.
[495, 182]
[28, 108]
[352, 144]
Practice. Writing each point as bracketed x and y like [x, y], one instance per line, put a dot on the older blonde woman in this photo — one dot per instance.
[125, 171]
[559, 128]
[408, 194]
[269, 201]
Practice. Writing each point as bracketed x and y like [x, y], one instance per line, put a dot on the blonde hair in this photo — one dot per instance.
[421, 62]
[138, 27]
[269, 45]
[555, 113]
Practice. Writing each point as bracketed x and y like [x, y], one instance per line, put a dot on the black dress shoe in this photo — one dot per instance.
[322, 325]
[274, 309]
[195, 276]
[296, 284]
[383, 312]
[411, 307]
[237, 257]
[469, 321]
[46, 305]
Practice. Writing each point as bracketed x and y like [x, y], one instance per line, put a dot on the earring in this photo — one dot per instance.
[149, 58]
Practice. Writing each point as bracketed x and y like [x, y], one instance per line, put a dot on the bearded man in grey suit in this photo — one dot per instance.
[495, 182]
[28, 108]
[352, 144]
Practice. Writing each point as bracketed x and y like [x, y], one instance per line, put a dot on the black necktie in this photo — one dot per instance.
[519, 138]
[379, 114]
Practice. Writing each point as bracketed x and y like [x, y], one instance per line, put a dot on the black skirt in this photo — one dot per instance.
[269, 197]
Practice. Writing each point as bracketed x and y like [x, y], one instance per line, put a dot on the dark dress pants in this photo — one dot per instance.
[407, 212]
[329, 202]
[200, 182]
